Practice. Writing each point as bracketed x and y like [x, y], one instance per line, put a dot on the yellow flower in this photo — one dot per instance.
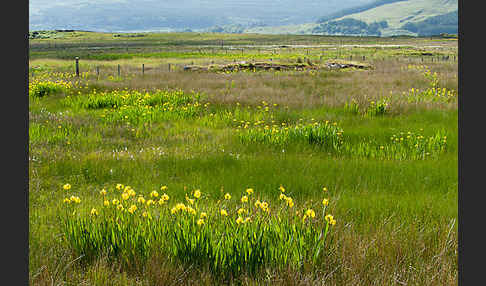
[163, 188]
[290, 202]
[249, 191]
[227, 196]
[197, 194]
[103, 192]
[75, 199]
[258, 203]
[119, 186]
[191, 201]
[154, 194]
[328, 218]
[125, 196]
[310, 213]
[115, 201]
[190, 210]
[241, 210]
[332, 222]
[200, 221]
[127, 188]
[94, 211]
[165, 197]
[146, 214]
[119, 207]
[204, 215]
[106, 203]
[324, 189]
[239, 220]
[66, 187]
[132, 209]
[325, 202]
[67, 201]
[247, 220]
[150, 202]
[223, 212]
[141, 200]
[282, 196]
[131, 192]
[281, 188]
[181, 206]
[177, 207]
[304, 218]
[244, 199]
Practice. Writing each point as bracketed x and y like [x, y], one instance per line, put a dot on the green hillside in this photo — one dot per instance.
[392, 17]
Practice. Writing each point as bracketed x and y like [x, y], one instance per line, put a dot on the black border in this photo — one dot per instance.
[15, 226]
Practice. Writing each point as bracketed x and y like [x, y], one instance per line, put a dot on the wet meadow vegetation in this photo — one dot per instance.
[320, 176]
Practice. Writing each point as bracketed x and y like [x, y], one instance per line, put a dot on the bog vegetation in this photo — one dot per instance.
[338, 176]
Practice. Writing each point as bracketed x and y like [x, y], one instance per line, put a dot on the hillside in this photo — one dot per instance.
[392, 17]
[175, 15]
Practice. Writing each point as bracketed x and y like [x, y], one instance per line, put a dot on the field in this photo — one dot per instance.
[142, 172]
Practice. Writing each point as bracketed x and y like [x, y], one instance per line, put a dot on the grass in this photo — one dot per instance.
[229, 237]
[395, 207]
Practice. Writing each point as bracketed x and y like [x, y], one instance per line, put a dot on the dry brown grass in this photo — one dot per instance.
[298, 89]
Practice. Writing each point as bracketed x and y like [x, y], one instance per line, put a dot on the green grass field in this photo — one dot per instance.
[382, 141]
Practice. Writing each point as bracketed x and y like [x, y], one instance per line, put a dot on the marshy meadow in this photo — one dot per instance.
[230, 159]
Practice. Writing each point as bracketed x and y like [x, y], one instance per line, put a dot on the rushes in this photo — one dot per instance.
[326, 134]
[329, 137]
[401, 146]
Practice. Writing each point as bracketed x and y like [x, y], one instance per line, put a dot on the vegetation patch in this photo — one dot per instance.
[229, 237]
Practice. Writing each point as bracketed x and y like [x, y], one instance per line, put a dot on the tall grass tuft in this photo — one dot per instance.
[326, 134]
[229, 237]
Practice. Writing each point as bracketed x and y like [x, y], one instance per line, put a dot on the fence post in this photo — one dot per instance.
[169, 66]
[143, 69]
[118, 69]
[97, 72]
[77, 66]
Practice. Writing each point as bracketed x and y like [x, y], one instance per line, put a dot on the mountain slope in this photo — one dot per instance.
[412, 17]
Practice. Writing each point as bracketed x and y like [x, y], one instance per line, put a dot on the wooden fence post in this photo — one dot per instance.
[118, 69]
[169, 66]
[143, 69]
[97, 72]
[77, 66]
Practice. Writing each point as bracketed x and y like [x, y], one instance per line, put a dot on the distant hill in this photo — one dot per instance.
[393, 17]
[178, 15]
[329, 17]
